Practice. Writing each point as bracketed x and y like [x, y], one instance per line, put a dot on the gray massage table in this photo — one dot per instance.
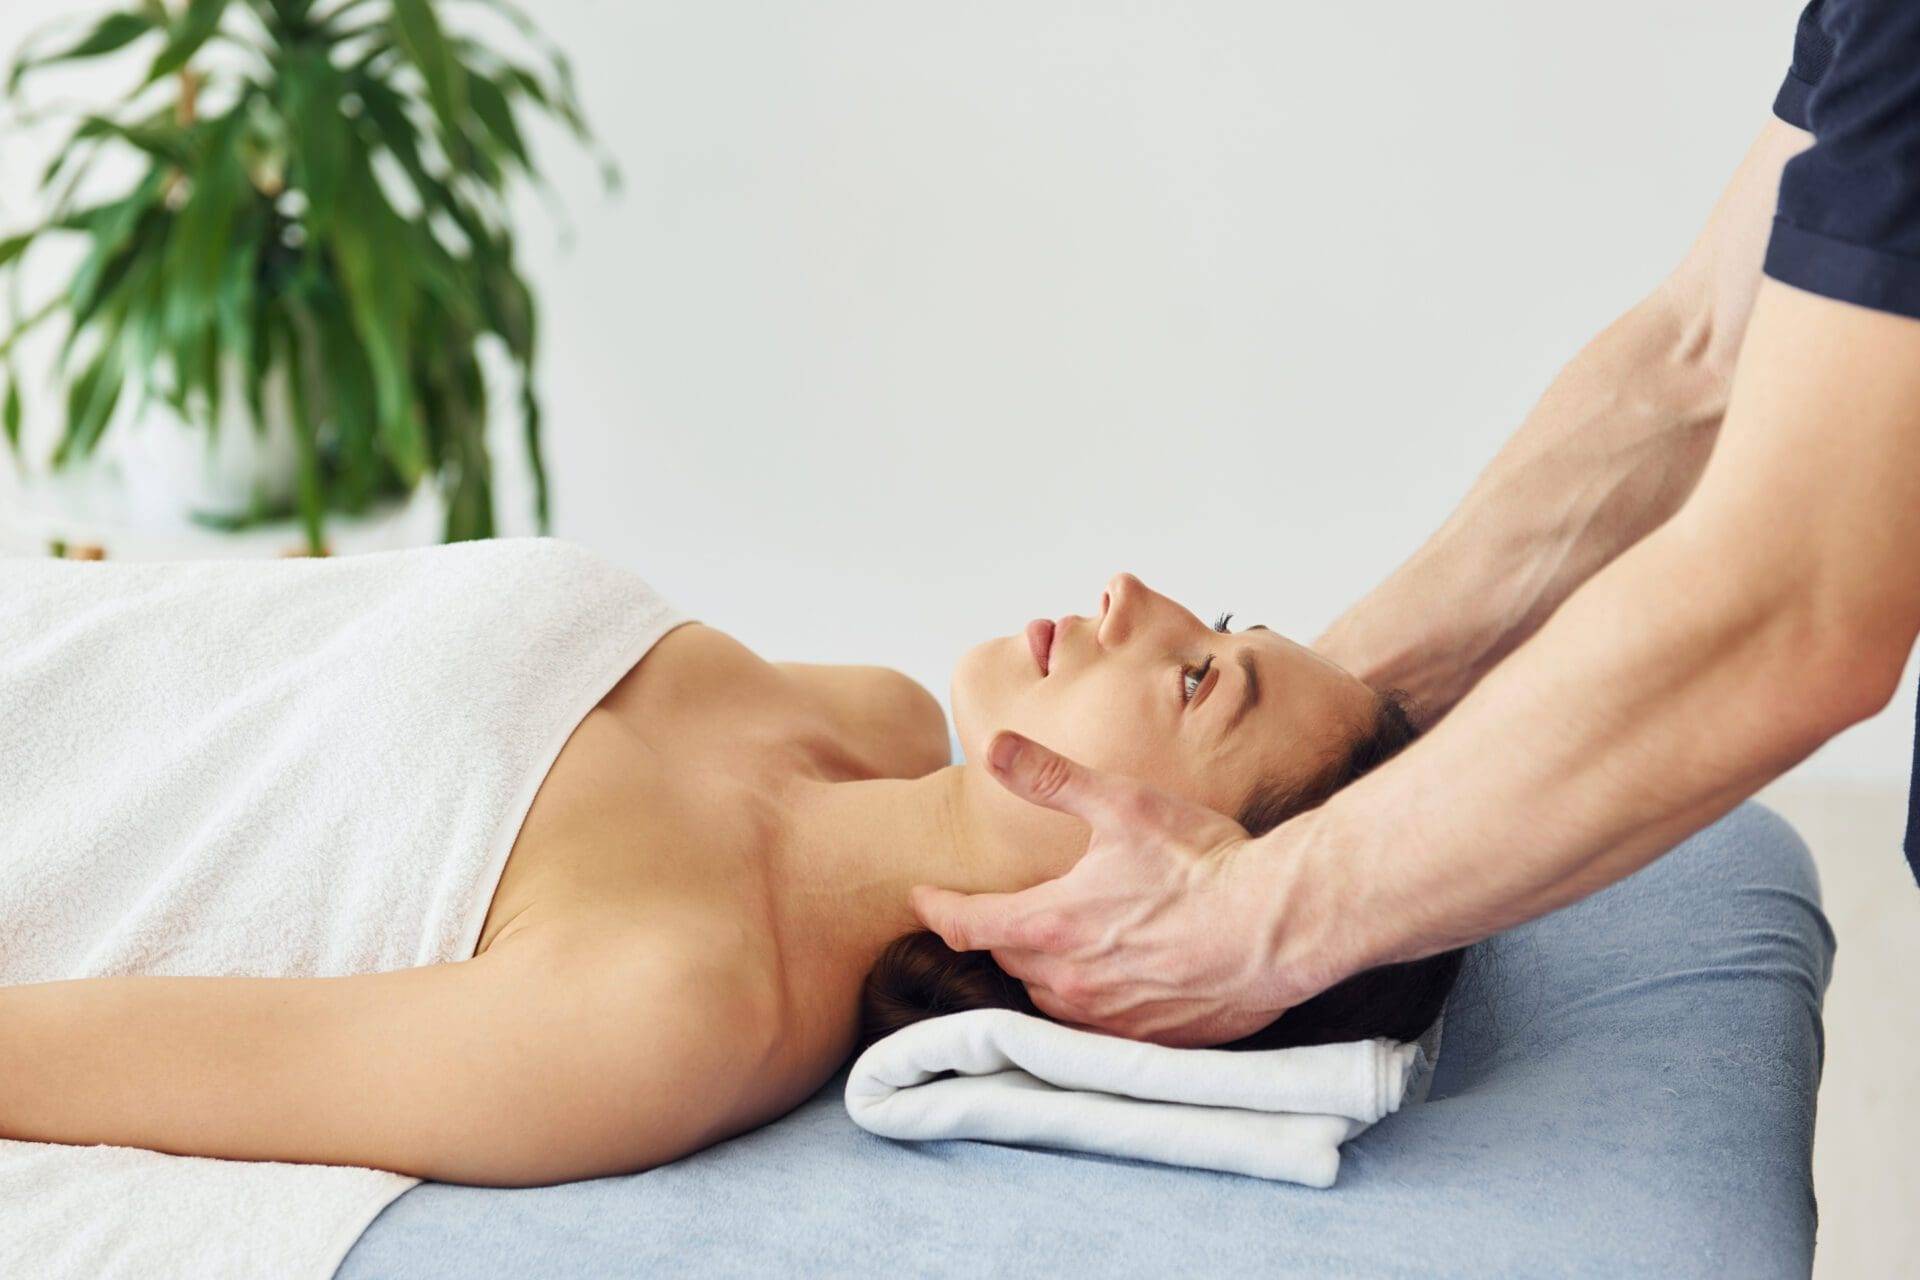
[1626, 1088]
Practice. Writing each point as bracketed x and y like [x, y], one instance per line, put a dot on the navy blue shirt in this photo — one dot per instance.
[1848, 223]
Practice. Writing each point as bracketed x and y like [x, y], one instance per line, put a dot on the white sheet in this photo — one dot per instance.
[295, 768]
[1022, 1080]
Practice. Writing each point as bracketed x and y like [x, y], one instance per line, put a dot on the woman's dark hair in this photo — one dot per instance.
[918, 976]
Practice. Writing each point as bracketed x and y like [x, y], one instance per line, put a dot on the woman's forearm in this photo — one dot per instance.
[1610, 452]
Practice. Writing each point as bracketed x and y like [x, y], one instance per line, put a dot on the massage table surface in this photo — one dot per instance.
[1625, 1087]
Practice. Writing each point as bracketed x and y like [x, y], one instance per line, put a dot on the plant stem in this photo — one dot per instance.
[189, 85]
[183, 114]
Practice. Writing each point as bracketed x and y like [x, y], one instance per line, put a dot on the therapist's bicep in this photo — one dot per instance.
[1814, 488]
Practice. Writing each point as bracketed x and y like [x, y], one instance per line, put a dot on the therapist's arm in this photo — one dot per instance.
[1610, 452]
[1774, 610]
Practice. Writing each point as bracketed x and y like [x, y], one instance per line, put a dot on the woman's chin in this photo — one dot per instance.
[977, 677]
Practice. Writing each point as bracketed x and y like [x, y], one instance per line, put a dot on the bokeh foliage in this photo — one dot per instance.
[321, 205]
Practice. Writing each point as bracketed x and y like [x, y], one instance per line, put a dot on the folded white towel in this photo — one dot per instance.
[1002, 1076]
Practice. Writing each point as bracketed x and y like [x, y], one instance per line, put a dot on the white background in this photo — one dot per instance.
[917, 320]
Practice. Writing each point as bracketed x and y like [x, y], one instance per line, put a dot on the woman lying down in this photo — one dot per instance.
[292, 871]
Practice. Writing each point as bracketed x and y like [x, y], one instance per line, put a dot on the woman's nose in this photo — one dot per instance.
[1120, 607]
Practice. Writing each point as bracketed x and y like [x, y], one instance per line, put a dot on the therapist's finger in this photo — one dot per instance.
[1040, 775]
[980, 921]
[1046, 1001]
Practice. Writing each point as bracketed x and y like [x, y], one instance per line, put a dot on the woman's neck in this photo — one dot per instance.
[848, 852]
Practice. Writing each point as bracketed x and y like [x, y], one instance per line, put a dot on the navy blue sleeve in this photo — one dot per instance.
[1812, 54]
[1848, 222]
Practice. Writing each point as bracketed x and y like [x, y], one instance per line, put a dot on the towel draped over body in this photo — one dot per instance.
[296, 768]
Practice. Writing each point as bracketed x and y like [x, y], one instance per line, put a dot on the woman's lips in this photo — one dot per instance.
[1040, 641]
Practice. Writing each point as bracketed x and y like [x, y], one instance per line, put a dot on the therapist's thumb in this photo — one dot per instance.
[1042, 776]
[972, 922]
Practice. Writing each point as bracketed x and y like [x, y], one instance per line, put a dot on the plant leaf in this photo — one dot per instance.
[387, 116]
[329, 25]
[529, 84]
[417, 30]
[562, 101]
[495, 113]
[375, 318]
[157, 136]
[114, 31]
[13, 246]
[536, 464]
[233, 298]
[140, 307]
[369, 242]
[351, 407]
[10, 411]
[113, 227]
[185, 36]
[32, 322]
[470, 502]
[295, 329]
[122, 273]
[509, 305]
[90, 401]
[319, 140]
[202, 233]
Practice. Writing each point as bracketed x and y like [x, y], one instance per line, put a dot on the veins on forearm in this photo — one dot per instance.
[1611, 451]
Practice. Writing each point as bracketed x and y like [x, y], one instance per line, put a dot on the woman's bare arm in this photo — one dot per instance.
[523, 1066]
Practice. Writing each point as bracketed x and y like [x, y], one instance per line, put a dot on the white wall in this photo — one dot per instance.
[917, 320]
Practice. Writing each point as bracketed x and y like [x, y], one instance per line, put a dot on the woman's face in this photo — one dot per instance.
[1131, 689]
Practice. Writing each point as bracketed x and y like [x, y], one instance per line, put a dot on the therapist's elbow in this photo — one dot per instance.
[1841, 684]
[1812, 633]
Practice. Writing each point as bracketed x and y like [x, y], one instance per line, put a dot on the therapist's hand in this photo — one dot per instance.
[1160, 932]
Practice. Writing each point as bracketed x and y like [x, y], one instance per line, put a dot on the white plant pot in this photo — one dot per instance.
[136, 496]
[171, 469]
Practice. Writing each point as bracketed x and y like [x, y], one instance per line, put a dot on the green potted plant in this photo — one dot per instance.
[317, 226]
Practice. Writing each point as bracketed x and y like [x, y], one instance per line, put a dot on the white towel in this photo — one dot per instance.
[1018, 1079]
[298, 768]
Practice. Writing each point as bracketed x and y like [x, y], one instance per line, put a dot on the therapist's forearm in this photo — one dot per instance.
[1655, 700]
[1776, 609]
[1611, 451]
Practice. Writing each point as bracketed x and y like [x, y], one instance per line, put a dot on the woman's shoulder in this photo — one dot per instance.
[890, 720]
